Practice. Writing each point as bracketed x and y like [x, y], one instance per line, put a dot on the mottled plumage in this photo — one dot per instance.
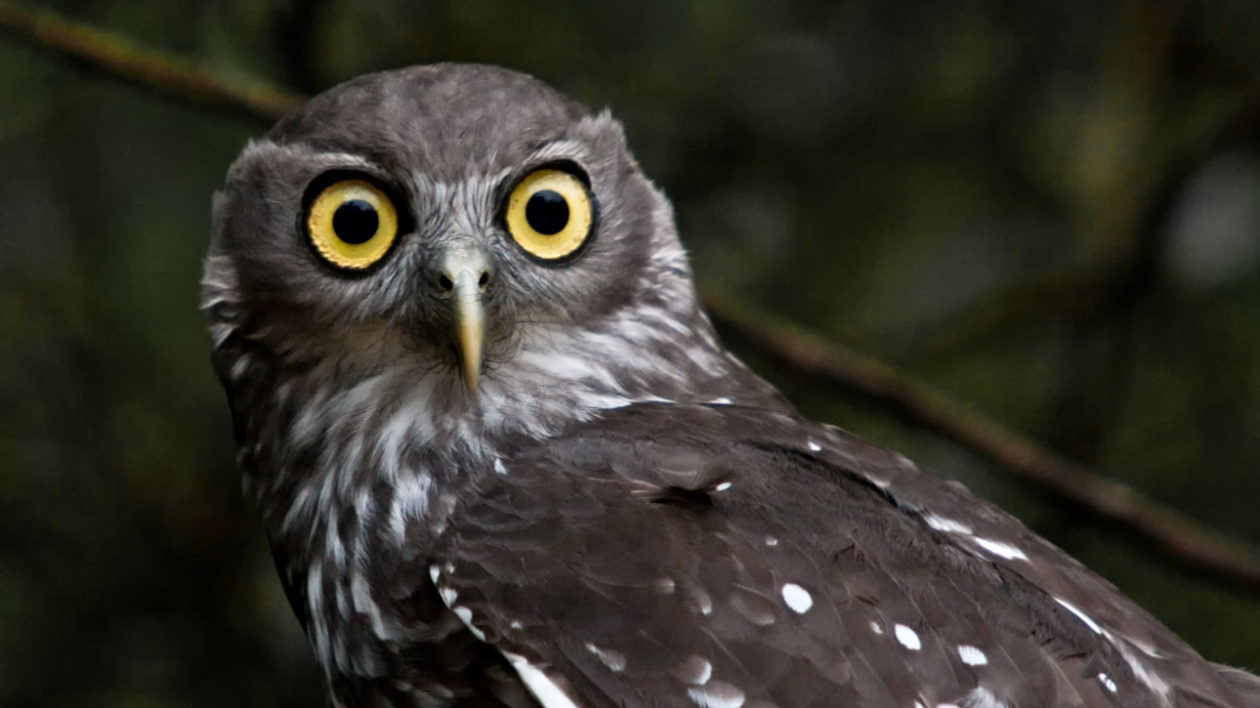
[503, 460]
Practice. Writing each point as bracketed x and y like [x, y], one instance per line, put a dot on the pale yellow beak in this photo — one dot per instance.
[468, 271]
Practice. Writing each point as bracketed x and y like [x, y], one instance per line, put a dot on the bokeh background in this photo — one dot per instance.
[1047, 211]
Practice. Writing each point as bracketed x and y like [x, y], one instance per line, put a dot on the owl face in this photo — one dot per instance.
[435, 216]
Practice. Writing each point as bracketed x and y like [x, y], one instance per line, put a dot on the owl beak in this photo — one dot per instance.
[470, 329]
[467, 273]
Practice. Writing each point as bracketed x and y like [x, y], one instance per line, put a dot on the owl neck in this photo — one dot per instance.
[355, 471]
[385, 446]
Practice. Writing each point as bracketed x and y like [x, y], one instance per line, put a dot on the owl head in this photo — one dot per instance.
[460, 232]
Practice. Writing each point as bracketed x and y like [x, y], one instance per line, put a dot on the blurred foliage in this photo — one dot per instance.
[1049, 210]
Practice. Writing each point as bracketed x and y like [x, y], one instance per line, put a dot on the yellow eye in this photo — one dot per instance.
[549, 214]
[352, 224]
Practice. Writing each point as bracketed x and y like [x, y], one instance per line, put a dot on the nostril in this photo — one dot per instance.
[444, 282]
[484, 280]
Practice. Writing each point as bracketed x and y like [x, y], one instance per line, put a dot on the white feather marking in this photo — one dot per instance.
[1000, 549]
[908, 637]
[1089, 622]
[539, 684]
[1143, 672]
[1108, 683]
[797, 598]
[814, 447]
[465, 615]
[614, 660]
[716, 694]
[981, 697]
[315, 603]
[876, 628]
[411, 501]
[695, 670]
[704, 603]
[947, 525]
[972, 656]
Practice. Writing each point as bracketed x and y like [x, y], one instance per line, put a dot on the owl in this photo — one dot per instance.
[503, 460]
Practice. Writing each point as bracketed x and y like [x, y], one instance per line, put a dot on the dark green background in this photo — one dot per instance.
[1048, 210]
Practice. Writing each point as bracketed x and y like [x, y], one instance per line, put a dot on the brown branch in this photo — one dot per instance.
[148, 68]
[1176, 537]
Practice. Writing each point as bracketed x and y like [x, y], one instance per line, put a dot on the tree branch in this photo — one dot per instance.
[147, 68]
[1176, 537]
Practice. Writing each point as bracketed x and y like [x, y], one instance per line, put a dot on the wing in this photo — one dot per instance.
[674, 555]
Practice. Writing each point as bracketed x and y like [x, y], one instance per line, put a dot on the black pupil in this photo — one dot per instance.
[547, 212]
[355, 221]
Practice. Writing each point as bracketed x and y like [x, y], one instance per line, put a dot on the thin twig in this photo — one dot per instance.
[152, 69]
[1178, 538]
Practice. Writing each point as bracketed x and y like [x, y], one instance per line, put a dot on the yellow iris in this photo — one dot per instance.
[549, 214]
[352, 224]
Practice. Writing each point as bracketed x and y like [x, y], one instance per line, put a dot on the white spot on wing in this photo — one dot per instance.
[722, 487]
[947, 525]
[539, 684]
[498, 466]
[694, 670]
[814, 447]
[1000, 549]
[1089, 622]
[723, 401]
[465, 615]
[908, 637]
[1140, 670]
[797, 598]
[876, 628]
[981, 697]
[1108, 683]
[972, 656]
[772, 541]
[614, 660]
[665, 586]
[717, 695]
[704, 603]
